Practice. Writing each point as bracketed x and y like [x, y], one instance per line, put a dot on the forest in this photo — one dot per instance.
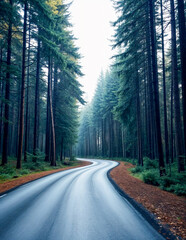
[131, 135]
[39, 90]
[139, 107]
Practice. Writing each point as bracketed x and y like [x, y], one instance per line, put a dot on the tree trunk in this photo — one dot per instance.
[7, 94]
[103, 136]
[138, 118]
[47, 138]
[123, 143]
[12, 137]
[55, 91]
[21, 124]
[36, 125]
[111, 136]
[2, 92]
[18, 116]
[171, 126]
[150, 89]
[48, 122]
[53, 159]
[164, 92]
[61, 153]
[95, 142]
[27, 97]
[182, 37]
[178, 125]
[156, 91]
[55, 94]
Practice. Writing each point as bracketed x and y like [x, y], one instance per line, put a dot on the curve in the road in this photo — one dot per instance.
[77, 204]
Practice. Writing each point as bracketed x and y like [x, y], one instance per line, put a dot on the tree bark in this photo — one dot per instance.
[47, 138]
[150, 89]
[156, 91]
[2, 93]
[55, 92]
[7, 94]
[27, 97]
[61, 152]
[138, 118]
[182, 37]
[53, 159]
[36, 125]
[171, 127]
[178, 125]
[21, 125]
[164, 92]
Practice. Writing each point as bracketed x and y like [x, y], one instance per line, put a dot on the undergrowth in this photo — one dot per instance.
[9, 171]
[173, 182]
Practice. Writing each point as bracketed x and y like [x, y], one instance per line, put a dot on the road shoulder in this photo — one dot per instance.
[10, 185]
[164, 210]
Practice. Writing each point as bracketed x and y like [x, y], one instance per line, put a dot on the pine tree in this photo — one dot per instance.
[178, 123]
[21, 125]
[7, 90]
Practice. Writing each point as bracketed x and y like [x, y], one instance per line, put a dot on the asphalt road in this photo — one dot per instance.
[77, 204]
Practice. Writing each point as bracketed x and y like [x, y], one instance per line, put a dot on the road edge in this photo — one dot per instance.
[147, 215]
[12, 189]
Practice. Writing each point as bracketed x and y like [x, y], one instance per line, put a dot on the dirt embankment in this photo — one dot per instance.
[167, 207]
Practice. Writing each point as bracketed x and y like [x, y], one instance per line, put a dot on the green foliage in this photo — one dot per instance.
[38, 155]
[148, 163]
[9, 171]
[174, 182]
[151, 177]
[166, 181]
[47, 23]
[137, 169]
[178, 189]
[24, 171]
[4, 176]
[98, 113]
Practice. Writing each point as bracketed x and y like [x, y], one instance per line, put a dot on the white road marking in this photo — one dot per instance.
[3, 195]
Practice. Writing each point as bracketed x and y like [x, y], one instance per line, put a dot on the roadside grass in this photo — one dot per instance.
[9, 171]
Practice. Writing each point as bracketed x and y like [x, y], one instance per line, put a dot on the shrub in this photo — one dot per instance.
[166, 182]
[24, 171]
[151, 177]
[7, 169]
[5, 176]
[149, 164]
[33, 167]
[66, 163]
[28, 165]
[181, 177]
[38, 155]
[43, 168]
[137, 169]
[178, 189]
[72, 158]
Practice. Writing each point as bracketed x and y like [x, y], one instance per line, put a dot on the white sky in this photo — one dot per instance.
[92, 28]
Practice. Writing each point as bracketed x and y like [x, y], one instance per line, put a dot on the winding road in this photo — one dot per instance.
[76, 204]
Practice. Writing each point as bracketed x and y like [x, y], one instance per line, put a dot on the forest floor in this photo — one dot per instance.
[12, 183]
[168, 208]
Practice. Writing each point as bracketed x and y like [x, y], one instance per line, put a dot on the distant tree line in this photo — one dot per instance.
[39, 90]
[139, 107]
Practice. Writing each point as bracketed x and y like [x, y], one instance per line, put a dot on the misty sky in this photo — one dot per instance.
[91, 25]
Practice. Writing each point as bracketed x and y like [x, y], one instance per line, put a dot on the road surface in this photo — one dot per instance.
[77, 204]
